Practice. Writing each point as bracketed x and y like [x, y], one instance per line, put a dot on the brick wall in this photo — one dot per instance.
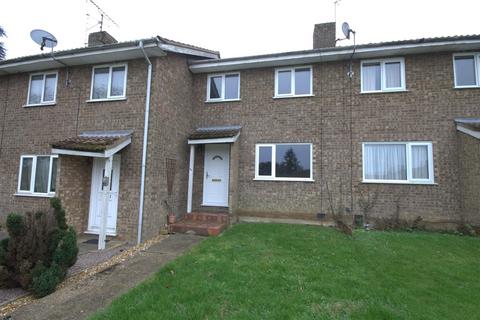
[336, 121]
[469, 163]
[73, 184]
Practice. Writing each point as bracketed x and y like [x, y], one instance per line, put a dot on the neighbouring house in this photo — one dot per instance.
[278, 137]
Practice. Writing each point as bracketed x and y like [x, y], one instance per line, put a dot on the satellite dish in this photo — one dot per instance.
[43, 38]
[346, 30]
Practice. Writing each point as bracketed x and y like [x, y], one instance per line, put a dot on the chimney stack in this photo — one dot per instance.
[100, 38]
[324, 35]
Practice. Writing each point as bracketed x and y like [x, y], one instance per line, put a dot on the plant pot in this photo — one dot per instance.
[171, 218]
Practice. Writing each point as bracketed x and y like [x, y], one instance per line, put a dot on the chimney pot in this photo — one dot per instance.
[100, 38]
[324, 35]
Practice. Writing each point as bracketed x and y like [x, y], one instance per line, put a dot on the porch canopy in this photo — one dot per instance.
[207, 135]
[223, 134]
[470, 126]
[97, 144]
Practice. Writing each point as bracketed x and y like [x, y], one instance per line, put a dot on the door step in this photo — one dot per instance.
[201, 223]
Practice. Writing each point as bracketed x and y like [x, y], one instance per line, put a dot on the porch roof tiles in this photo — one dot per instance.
[85, 143]
[215, 132]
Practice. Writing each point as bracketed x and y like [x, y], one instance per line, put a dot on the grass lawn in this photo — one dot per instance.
[273, 271]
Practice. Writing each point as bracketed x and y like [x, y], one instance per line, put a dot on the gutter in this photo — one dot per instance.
[334, 54]
[145, 141]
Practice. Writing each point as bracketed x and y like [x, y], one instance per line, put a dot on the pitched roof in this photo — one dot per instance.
[162, 44]
[463, 42]
[215, 132]
[94, 141]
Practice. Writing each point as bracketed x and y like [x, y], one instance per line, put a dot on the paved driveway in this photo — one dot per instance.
[81, 300]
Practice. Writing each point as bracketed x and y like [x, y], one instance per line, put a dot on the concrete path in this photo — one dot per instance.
[81, 300]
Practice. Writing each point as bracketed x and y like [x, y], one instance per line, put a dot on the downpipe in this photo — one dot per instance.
[145, 141]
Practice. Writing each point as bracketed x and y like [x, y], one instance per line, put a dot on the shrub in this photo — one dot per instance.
[15, 224]
[45, 280]
[466, 229]
[39, 251]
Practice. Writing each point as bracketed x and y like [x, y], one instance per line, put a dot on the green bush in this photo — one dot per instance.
[45, 280]
[66, 252]
[3, 250]
[39, 251]
[15, 224]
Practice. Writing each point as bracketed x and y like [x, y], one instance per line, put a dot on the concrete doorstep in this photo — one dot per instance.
[82, 299]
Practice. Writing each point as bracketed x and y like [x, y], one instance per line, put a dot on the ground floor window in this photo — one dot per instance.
[37, 175]
[284, 161]
[398, 162]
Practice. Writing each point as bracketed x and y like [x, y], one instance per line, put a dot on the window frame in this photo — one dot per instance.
[476, 60]
[109, 85]
[272, 177]
[222, 93]
[31, 191]
[292, 82]
[42, 103]
[383, 87]
[408, 153]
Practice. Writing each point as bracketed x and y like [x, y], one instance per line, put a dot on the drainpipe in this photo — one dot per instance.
[145, 141]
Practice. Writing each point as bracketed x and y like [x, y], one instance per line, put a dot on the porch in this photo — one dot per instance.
[212, 181]
[89, 180]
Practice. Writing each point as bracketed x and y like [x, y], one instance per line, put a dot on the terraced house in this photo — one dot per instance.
[291, 136]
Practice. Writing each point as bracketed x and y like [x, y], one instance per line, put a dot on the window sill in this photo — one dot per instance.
[34, 195]
[49, 104]
[222, 101]
[106, 100]
[401, 182]
[384, 91]
[284, 180]
[294, 96]
[466, 87]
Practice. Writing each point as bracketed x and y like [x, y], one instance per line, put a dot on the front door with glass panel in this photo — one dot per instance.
[96, 196]
[215, 182]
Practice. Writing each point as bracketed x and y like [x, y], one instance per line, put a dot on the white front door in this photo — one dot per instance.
[96, 196]
[215, 180]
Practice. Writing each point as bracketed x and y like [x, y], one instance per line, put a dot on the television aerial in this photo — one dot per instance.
[43, 38]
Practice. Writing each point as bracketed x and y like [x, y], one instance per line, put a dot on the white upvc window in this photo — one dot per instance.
[109, 82]
[383, 75]
[466, 67]
[398, 162]
[42, 89]
[223, 87]
[37, 175]
[284, 161]
[293, 82]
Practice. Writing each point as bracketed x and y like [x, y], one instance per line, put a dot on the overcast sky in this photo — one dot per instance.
[235, 28]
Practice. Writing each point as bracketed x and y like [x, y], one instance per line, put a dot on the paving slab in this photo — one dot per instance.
[80, 300]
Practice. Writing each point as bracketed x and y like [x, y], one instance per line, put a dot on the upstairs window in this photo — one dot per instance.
[42, 89]
[37, 175]
[223, 87]
[284, 161]
[383, 75]
[398, 162]
[465, 68]
[109, 82]
[293, 82]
